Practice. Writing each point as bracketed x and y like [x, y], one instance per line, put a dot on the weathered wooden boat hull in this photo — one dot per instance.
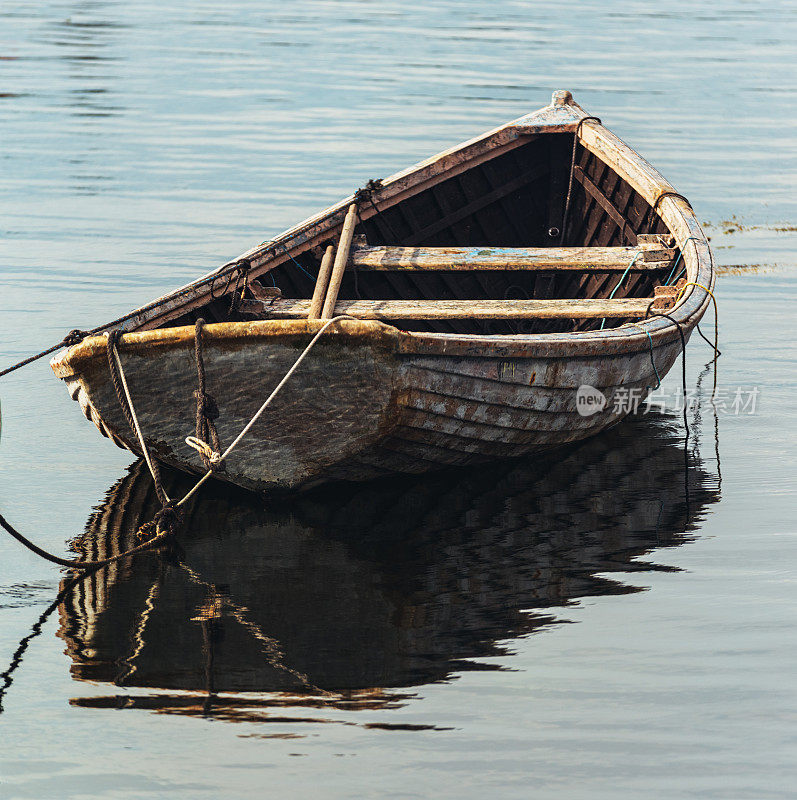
[364, 405]
[373, 399]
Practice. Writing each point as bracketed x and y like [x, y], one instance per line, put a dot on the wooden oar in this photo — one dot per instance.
[341, 259]
[321, 284]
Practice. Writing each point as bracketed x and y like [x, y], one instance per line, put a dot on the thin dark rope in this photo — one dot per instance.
[164, 523]
[572, 174]
[75, 336]
[207, 411]
[243, 265]
[677, 324]
[669, 194]
[290, 256]
[717, 351]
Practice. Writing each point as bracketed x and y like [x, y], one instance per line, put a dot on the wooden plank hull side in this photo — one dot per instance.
[342, 399]
[359, 407]
[466, 410]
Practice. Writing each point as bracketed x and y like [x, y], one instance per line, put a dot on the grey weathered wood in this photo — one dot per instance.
[468, 309]
[511, 258]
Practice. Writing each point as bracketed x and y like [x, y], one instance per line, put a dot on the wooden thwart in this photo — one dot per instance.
[614, 259]
[467, 309]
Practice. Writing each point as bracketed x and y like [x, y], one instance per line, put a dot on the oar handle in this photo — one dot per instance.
[341, 259]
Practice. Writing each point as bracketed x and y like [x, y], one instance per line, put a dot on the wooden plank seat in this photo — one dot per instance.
[615, 259]
[625, 308]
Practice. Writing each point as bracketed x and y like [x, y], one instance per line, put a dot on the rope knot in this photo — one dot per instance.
[209, 456]
[367, 191]
[167, 519]
[75, 336]
[206, 405]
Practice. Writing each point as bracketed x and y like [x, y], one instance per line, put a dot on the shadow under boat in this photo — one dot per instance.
[356, 590]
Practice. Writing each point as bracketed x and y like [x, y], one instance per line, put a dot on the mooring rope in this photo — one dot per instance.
[7, 675]
[76, 336]
[126, 402]
[652, 362]
[717, 352]
[266, 403]
[206, 441]
[165, 521]
[677, 324]
[694, 239]
[269, 645]
[367, 193]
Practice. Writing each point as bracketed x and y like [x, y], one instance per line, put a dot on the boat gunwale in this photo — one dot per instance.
[68, 362]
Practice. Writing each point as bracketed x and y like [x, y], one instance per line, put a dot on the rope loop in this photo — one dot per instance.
[209, 455]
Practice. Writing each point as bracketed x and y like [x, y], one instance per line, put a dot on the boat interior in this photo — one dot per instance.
[494, 248]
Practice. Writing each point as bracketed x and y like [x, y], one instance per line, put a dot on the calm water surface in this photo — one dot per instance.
[616, 622]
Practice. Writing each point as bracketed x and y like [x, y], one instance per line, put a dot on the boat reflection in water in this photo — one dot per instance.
[353, 592]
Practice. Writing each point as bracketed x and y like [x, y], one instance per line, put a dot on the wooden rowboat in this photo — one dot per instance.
[481, 287]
